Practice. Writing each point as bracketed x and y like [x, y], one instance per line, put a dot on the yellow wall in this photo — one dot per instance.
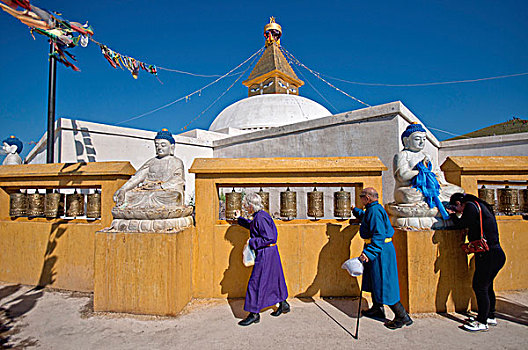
[55, 252]
[435, 274]
[311, 251]
[143, 273]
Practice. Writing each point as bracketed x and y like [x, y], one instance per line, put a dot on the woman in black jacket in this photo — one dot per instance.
[487, 264]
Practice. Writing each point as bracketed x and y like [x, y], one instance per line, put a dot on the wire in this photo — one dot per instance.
[318, 75]
[193, 74]
[219, 97]
[427, 84]
[447, 132]
[168, 69]
[313, 87]
[186, 97]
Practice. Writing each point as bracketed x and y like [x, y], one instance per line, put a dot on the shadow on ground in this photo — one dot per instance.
[11, 311]
[512, 311]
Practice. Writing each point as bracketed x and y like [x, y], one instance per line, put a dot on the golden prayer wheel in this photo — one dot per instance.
[524, 200]
[18, 204]
[487, 195]
[233, 203]
[288, 204]
[342, 204]
[508, 200]
[265, 199]
[35, 204]
[75, 204]
[54, 205]
[315, 203]
[93, 205]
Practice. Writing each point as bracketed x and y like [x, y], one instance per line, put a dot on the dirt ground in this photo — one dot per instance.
[51, 319]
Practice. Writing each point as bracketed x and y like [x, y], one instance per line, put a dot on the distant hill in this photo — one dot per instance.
[513, 126]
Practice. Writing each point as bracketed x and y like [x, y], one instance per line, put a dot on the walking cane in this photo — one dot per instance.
[359, 310]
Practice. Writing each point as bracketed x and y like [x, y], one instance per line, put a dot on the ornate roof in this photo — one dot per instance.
[272, 63]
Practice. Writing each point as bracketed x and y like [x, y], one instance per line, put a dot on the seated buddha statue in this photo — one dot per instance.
[155, 192]
[420, 187]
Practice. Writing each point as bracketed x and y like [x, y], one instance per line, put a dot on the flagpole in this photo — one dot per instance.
[50, 150]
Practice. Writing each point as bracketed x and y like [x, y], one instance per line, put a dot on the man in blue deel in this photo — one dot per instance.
[380, 276]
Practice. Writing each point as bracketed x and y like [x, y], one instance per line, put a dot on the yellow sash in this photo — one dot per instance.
[369, 240]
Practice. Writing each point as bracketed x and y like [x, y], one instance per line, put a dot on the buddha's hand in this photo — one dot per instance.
[426, 160]
[150, 186]
[119, 197]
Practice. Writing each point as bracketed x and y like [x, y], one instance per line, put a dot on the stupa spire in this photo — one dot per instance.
[273, 74]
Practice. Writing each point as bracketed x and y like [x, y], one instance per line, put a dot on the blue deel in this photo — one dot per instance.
[380, 276]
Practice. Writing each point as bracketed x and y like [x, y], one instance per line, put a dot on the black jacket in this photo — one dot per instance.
[470, 219]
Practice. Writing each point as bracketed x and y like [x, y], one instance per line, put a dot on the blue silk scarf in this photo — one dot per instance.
[427, 183]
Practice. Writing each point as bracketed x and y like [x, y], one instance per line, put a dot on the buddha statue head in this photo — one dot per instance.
[414, 137]
[164, 143]
[12, 145]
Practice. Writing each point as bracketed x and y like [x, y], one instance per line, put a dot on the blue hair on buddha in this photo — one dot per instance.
[411, 129]
[165, 134]
[14, 141]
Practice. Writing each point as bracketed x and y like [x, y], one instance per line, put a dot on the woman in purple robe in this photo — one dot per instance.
[266, 285]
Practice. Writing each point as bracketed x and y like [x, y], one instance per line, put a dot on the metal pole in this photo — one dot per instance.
[50, 156]
[359, 311]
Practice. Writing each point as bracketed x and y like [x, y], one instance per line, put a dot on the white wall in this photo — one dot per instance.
[501, 145]
[373, 131]
[80, 141]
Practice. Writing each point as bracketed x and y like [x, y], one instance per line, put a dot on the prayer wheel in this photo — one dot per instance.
[93, 205]
[524, 200]
[265, 199]
[508, 200]
[233, 203]
[487, 195]
[315, 203]
[35, 204]
[342, 204]
[54, 205]
[18, 204]
[75, 204]
[288, 204]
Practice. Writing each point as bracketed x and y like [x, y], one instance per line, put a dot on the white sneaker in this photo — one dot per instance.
[492, 321]
[489, 321]
[475, 326]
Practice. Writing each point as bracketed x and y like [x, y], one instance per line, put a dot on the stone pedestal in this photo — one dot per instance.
[434, 273]
[142, 273]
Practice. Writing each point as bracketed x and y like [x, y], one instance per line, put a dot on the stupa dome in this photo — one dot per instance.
[268, 111]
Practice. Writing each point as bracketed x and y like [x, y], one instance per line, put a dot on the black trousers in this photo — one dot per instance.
[487, 266]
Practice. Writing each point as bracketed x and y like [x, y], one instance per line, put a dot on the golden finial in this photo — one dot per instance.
[272, 32]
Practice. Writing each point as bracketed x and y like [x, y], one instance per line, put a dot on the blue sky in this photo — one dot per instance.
[390, 42]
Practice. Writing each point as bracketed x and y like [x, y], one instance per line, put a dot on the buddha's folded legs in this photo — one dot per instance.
[152, 199]
[408, 195]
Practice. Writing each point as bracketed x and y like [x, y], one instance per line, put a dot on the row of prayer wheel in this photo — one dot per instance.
[288, 203]
[54, 205]
[509, 201]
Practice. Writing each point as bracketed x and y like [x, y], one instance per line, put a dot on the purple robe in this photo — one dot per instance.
[266, 285]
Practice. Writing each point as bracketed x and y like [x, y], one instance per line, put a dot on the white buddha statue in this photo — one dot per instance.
[414, 175]
[12, 147]
[152, 199]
